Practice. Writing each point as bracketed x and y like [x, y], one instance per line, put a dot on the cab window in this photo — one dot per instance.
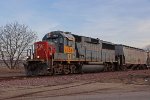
[60, 40]
[69, 43]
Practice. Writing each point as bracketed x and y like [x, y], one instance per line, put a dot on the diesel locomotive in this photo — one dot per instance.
[64, 53]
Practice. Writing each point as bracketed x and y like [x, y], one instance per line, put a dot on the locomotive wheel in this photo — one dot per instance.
[50, 71]
[79, 68]
[145, 67]
[123, 68]
[111, 67]
[142, 67]
[106, 68]
[73, 69]
[139, 67]
[66, 69]
[134, 67]
[57, 71]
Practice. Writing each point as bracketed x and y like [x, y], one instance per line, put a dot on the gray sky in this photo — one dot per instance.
[118, 21]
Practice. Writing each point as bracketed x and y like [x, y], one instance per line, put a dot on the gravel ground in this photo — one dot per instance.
[57, 87]
[128, 77]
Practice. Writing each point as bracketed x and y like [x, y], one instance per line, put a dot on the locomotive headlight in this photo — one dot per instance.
[38, 56]
[50, 53]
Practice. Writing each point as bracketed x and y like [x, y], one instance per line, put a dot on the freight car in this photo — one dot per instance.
[64, 53]
[131, 57]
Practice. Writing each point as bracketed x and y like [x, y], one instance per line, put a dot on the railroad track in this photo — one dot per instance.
[7, 78]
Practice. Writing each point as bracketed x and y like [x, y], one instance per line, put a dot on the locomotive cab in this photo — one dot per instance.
[61, 40]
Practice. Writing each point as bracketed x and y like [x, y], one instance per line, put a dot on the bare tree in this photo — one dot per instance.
[14, 39]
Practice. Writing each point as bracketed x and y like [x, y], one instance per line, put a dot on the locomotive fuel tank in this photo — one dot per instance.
[93, 68]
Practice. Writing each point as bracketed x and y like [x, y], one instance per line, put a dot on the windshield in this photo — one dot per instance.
[55, 40]
[51, 38]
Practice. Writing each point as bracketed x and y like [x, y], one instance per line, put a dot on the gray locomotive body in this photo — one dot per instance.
[95, 54]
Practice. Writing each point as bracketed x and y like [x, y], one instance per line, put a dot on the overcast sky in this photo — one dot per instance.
[118, 21]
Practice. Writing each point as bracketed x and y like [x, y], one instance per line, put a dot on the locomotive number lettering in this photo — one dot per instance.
[68, 49]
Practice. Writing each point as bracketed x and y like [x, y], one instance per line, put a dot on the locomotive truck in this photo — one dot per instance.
[65, 53]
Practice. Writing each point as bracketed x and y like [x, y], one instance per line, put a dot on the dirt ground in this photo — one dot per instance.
[5, 72]
[130, 85]
[72, 89]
